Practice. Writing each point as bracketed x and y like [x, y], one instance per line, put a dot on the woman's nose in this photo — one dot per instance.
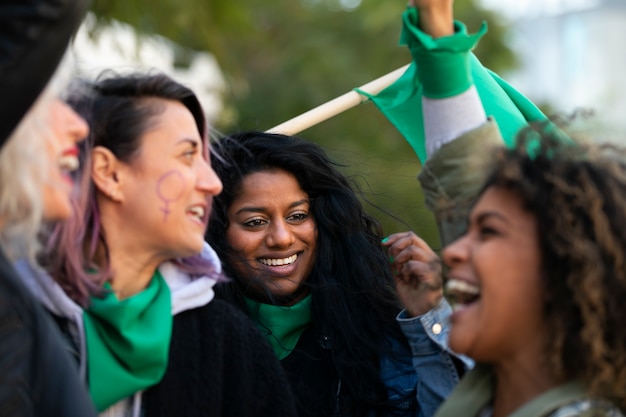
[455, 252]
[76, 127]
[208, 181]
[279, 235]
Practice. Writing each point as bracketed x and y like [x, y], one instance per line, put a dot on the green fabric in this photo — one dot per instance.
[444, 62]
[476, 389]
[281, 325]
[401, 102]
[127, 341]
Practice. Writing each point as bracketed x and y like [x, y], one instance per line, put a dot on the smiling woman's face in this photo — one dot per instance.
[66, 129]
[167, 195]
[272, 232]
[494, 272]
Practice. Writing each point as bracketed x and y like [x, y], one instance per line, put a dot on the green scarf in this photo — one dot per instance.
[282, 326]
[127, 341]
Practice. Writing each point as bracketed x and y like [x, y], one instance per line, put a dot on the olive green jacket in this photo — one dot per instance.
[475, 392]
[453, 177]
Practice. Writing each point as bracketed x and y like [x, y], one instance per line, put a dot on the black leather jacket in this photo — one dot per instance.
[37, 376]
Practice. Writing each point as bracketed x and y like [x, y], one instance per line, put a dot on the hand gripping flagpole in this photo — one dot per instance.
[337, 105]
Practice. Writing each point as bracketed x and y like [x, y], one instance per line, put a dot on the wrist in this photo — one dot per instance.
[425, 305]
[436, 22]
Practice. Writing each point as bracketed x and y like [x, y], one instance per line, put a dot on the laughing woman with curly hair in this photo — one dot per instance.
[539, 281]
[536, 269]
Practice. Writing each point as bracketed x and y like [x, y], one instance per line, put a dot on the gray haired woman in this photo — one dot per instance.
[38, 136]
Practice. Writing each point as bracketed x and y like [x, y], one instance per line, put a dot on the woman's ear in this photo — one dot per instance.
[105, 173]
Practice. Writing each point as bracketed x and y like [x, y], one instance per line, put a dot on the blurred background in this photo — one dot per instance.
[255, 64]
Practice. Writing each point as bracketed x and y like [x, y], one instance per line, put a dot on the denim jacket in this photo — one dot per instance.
[420, 379]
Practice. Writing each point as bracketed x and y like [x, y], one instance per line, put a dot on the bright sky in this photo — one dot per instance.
[518, 8]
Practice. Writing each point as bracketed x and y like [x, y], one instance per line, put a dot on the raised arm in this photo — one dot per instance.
[457, 133]
[445, 94]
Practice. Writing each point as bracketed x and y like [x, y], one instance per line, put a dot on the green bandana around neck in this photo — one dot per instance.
[127, 341]
[281, 325]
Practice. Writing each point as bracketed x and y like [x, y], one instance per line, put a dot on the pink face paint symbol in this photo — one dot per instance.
[169, 188]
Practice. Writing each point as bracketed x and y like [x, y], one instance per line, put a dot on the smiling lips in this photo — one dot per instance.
[68, 161]
[279, 262]
[462, 293]
[198, 212]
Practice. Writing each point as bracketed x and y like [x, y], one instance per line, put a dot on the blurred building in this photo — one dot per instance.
[573, 54]
[118, 47]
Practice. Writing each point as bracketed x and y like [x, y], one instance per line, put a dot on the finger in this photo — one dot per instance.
[421, 270]
[393, 238]
[427, 273]
[416, 254]
[405, 239]
[402, 241]
[396, 243]
[421, 243]
[413, 253]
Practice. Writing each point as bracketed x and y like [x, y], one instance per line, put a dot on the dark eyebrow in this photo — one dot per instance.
[193, 142]
[261, 209]
[487, 214]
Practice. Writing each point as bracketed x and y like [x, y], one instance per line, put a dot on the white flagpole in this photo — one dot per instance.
[336, 106]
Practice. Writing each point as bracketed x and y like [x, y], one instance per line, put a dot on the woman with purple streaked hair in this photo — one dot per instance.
[130, 277]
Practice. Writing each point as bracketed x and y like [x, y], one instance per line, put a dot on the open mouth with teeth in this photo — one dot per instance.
[279, 262]
[198, 211]
[461, 293]
[68, 163]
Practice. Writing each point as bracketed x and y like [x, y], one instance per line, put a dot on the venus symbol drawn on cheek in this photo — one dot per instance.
[169, 188]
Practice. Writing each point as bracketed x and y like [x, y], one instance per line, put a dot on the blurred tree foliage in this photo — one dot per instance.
[283, 57]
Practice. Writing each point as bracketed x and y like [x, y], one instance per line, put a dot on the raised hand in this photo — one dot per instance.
[436, 17]
[416, 270]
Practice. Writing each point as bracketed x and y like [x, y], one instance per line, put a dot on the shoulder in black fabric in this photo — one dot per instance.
[37, 377]
[219, 365]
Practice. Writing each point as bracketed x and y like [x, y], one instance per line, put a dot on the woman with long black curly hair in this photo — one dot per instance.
[309, 268]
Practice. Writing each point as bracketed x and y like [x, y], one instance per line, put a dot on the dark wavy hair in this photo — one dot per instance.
[354, 300]
[119, 110]
[577, 192]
